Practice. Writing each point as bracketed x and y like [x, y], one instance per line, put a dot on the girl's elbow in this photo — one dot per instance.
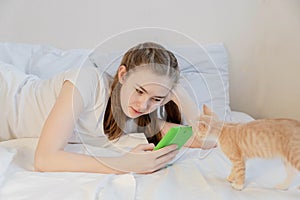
[40, 162]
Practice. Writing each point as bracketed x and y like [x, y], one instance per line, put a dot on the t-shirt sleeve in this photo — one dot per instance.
[86, 80]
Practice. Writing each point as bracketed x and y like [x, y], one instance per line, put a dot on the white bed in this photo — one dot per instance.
[194, 174]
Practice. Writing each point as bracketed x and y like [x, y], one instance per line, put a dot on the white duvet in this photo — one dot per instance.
[195, 174]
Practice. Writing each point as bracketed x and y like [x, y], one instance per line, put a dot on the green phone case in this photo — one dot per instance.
[176, 135]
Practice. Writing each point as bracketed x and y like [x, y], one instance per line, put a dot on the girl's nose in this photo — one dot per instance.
[142, 104]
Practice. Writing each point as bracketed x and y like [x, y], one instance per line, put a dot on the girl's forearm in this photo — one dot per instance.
[186, 104]
[73, 162]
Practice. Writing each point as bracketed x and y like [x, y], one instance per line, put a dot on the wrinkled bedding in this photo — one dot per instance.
[194, 174]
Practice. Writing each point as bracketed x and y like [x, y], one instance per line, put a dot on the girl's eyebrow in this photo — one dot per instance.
[144, 90]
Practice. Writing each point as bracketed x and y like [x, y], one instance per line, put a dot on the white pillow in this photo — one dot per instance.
[17, 54]
[41, 60]
[204, 74]
[48, 61]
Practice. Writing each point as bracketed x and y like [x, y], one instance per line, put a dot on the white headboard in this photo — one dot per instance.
[262, 36]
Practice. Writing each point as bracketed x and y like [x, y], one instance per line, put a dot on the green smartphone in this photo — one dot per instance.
[176, 135]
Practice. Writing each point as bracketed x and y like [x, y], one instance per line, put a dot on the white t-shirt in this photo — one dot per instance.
[26, 100]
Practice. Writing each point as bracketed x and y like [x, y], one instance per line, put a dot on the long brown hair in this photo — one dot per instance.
[160, 61]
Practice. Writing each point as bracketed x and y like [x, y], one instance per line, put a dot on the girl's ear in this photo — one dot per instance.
[122, 74]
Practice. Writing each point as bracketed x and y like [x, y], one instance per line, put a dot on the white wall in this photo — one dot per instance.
[262, 36]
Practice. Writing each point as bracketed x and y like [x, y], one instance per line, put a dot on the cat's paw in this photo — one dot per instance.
[230, 179]
[237, 186]
[282, 186]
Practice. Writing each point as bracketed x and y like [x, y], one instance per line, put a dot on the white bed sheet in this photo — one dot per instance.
[196, 174]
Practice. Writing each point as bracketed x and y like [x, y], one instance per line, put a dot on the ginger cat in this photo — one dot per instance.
[265, 138]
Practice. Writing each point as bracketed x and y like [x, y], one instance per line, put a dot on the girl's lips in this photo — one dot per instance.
[135, 111]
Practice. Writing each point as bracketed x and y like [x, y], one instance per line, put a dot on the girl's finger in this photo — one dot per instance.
[164, 160]
[143, 147]
[166, 150]
[167, 157]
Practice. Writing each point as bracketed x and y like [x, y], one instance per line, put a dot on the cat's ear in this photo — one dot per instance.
[206, 110]
[202, 126]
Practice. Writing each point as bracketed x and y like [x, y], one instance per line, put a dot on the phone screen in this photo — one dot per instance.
[176, 135]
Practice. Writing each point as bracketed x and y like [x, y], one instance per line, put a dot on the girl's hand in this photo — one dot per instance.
[142, 159]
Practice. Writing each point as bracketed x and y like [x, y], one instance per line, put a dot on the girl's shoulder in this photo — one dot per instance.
[90, 82]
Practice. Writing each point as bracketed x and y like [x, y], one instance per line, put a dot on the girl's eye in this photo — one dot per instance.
[139, 91]
[156, 100]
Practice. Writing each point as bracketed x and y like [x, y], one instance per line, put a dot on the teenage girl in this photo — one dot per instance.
[85, 102]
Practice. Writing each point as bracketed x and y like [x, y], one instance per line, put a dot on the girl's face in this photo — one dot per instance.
[143, 91]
